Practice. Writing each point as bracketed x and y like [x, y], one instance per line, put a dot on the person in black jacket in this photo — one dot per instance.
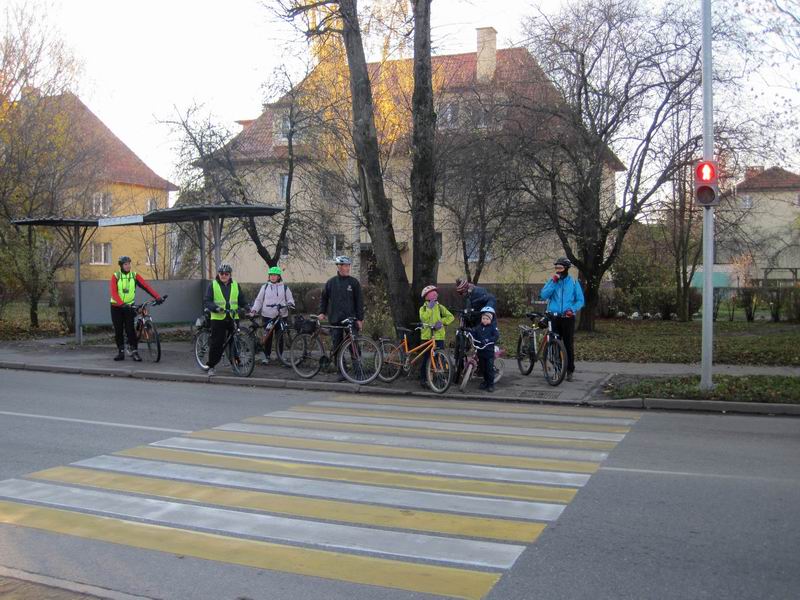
[223, 299]
[475, 298]
[486, 334]
[342, 299]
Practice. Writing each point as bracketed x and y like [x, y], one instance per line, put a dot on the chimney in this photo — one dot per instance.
[487, 54]
[753, 171]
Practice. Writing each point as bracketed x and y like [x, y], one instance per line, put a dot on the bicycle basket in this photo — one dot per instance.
[542, 323]
[303, 325]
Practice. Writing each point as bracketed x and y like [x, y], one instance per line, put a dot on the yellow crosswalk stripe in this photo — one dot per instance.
[518, 408]
[540, 493]
[515, 462]
[414, 577]
[327, 510]
[499, 438]
[509, 422]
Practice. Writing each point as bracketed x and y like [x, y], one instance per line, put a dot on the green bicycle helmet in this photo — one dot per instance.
[275, 271]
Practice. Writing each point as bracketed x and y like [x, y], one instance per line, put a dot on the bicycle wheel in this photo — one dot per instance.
[393, 360]
[524, 355]
[201, 345]
[242, 354]
[459, 354]
[306, 354]
[554, 361]
[283, 344]
[499, 369]
[440, 373]
[150, 337]
[470, 368]
[360, 360]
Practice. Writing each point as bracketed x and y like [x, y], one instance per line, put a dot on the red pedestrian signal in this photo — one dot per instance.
[706, 190]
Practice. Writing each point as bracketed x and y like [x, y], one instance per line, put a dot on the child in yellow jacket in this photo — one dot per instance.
[436, 316]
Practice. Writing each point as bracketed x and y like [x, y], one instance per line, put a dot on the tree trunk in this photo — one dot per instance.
[591, 295]
[425, 260]
[375, 206]
[33, 310]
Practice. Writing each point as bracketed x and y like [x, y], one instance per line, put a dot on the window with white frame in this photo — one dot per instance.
[283, 125]
[152, 204]
[747, 201]
[100, 253]
[480, 116]
[448, 119]
[152, 252]
[797, 200]
[335, 245]
[283, 185]
[101, 204]
[285, 247]
[473, 244]
[439, 247]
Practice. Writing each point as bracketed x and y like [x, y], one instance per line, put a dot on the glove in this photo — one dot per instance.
[431, 304]
[569, 313]
[218, 309]
[438, 325]
[555, 278]
[159, 301]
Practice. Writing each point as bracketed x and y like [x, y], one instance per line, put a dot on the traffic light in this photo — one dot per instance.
[706, 190]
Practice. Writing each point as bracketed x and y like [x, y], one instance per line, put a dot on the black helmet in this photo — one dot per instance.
[563, 261]
[225, 268]
[123, 259]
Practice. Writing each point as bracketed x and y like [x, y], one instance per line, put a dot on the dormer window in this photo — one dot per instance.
[747, 202]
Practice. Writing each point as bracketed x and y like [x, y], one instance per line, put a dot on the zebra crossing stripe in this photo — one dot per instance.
[414, 577]
[383, 478]
[472, 458]
[427, 432]
[313, 508]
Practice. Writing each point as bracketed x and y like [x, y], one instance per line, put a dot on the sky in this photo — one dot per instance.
[143, 60]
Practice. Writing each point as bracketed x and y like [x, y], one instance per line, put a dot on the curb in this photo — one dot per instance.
[715, 406]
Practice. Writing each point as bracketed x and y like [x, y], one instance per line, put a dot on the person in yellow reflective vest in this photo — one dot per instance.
[224, 299]
[123, 293]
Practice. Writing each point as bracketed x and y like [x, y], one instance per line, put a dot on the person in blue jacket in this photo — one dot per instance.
[486, 334]
[565, 299]
[475, 298]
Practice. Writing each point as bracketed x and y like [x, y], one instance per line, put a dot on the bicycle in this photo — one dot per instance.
[471, 361]
[460, 347]
[358, 358]
[277, 328]
[239, 346]
[397, 358]
[541, 343]
[146, 330]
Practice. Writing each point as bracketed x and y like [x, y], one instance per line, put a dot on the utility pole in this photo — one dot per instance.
[706, 382]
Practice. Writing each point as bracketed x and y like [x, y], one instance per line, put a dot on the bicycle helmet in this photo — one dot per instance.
[225, 268]
[563, 261]
[275, 271]
[462, 285]
[488, 309]
[123, 259]
[428, 289]
[343, 260]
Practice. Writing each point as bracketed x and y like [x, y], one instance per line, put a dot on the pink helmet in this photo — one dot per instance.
[428, 289]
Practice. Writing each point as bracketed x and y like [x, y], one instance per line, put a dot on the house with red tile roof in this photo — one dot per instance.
[770, 202]
[468, 88]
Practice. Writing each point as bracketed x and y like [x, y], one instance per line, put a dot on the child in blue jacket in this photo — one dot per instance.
[486, 333]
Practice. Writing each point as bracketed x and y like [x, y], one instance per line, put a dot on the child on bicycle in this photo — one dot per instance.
[436, 317]
[486, 334]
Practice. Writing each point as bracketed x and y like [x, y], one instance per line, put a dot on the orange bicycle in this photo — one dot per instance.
[399, 358]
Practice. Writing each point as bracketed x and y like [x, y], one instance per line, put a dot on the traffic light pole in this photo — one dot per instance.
[706, 382]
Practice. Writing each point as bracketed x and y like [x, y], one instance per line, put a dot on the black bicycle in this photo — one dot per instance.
[145, 327]
[240, 349]
[540, 343]
[278, 329]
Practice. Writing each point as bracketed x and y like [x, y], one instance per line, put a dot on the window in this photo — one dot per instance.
[100, 253]
[747, 202]
[797, 200]
[283, 126]
[336, 245]
[439, 245]
[152, 253]
[449, 116]
[282, 187]
[480, 116]
[152, 204]
[101, 204]
[285, 247]
[473, 243]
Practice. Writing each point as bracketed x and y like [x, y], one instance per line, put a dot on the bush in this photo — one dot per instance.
[750, 298]
[793, 304]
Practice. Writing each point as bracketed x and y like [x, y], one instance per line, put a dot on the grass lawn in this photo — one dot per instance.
[15, 323]
[745, 388]
[759, 343]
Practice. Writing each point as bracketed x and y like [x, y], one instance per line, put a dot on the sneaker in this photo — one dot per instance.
[490, 388]
[135, 356]
[341, 378]
[569, 376]
[423, 384]
[483, 385]
[120, 355]
[205, 367]
[211, 372]
[264, 362]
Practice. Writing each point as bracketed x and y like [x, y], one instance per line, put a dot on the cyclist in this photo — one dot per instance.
[565, 299]
[223, 298]
[437, 316]
[123, 293]
[272, 294]
[341, 299]
[475, 297]
[486, 334]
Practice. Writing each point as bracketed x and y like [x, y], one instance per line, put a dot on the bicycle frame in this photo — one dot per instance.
[428, 346]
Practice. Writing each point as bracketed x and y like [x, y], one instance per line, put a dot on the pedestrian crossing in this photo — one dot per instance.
[428, 496]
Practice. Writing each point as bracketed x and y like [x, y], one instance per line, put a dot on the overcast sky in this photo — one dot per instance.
[142, 59]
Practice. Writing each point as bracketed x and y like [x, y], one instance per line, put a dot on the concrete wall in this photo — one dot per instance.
[184, 305]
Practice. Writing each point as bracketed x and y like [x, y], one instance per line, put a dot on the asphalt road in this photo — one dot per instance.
[682, 506]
